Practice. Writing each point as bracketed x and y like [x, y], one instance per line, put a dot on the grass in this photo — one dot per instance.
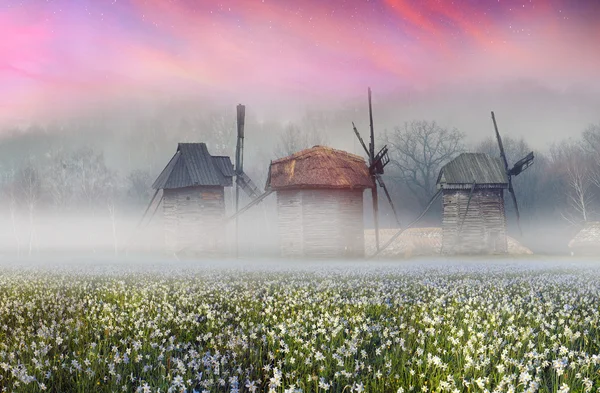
[492, 326]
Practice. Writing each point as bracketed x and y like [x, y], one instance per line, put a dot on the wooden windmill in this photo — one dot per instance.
[473, 214]
[377, 163]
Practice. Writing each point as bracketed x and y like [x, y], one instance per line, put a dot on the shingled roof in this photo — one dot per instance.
[469, 168]
[319, 167]
[192, 165]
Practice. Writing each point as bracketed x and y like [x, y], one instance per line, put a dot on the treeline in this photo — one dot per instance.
[99, 170]
[105, 166]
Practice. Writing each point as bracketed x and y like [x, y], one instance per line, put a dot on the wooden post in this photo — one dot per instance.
[239, 169]
[374, 189]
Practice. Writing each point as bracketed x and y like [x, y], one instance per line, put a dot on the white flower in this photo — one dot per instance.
[564, 388]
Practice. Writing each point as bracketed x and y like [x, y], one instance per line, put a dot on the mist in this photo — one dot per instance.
[95, 97]
[132, 144]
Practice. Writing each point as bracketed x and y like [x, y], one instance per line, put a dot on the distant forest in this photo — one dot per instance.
[105, 165]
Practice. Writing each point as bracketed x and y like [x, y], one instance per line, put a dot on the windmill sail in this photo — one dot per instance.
[376, 164]
[500, 145]
[389, 198]
[522, 164]
[519, 167]
[246, 184]
[242, 180]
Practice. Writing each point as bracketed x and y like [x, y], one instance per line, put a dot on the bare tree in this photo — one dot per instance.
[139, 186]
[93, 179]
[590, 144]
[591, 138]
[575, 168]
[418, 151]
[11, 192]
[59, 178]
[294, 139]
[30, 190]
[221, 132]
[515, 149]
[317, 125]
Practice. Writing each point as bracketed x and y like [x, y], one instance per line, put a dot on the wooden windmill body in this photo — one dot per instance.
[320, 202]
[193, 185]
[473, 215]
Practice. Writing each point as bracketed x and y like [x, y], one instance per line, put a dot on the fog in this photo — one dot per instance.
[95, 96]
[132, 144]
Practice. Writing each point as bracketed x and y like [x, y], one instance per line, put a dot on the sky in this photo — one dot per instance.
[59, 57]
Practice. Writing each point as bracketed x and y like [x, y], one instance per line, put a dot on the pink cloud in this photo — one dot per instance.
[78, 58]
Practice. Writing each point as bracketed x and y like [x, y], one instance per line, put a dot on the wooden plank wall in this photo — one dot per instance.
[352, 223]
[289, 211]
[195, 217]
[321, 220]
[321, 223]
[484, 228]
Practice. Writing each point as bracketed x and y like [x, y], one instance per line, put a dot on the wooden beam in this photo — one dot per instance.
[387, 244]
[374, 189]
[251, 204]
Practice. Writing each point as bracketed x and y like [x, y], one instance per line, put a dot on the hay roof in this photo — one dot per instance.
[588, 236]
[421, 242]
[319, 167]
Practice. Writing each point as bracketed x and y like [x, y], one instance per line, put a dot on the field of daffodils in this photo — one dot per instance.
[480, 326]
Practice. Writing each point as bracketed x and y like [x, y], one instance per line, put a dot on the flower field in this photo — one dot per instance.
[331, 327]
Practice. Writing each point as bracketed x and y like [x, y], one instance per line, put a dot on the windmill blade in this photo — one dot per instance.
[514, 199]
[521, 165]
[527, 161]
[389, 198]
[379, 162]
[246, 184]
[360, 139]
[500, 146]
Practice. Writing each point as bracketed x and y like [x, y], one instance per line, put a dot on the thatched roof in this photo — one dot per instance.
[192, 165]
[588, 236]
[468, 168]
[421, 242]
[319, 167]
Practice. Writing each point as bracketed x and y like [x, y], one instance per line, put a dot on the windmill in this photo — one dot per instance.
[473, 210]
[519, 167]
[377, 163]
